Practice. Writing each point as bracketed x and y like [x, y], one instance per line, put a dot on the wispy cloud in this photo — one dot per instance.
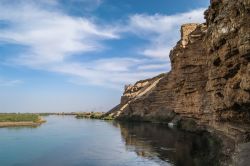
[53, 38]
[162, 31]
[111, 72]
[162, 66]
[7, 82]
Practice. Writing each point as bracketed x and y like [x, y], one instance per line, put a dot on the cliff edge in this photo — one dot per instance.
[208, 86]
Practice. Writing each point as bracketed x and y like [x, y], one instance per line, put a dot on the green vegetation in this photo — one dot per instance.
[93, 115]
[19, 117]
[90, 115]
[45, 114]
[57, 113]
[108, 118]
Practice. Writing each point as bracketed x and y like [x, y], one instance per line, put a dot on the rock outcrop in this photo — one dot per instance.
[209, 81]
[133, 93]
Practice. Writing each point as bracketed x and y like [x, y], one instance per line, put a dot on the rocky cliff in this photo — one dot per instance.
[209, 82]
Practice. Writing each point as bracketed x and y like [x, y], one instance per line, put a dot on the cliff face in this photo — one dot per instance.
[209, 82]
[228, 49]
[133, 93]
[182, 90]
[210, 76]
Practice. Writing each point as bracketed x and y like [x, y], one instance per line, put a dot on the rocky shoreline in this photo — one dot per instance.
[208, 87]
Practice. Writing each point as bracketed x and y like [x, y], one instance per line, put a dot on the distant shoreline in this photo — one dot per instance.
[19, 119]
[17, 124]
[57, 113]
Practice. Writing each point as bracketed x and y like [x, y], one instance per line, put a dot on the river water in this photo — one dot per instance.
[66, 141]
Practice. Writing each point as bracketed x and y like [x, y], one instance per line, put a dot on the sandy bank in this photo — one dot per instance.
[16, 124]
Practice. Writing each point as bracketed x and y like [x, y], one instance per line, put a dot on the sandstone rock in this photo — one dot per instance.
[209, 80]
[186, 29]
[210, 76]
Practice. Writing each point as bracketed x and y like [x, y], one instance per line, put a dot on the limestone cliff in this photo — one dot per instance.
[209, 81]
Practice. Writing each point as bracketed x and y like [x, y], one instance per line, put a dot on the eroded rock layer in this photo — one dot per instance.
[209, 81]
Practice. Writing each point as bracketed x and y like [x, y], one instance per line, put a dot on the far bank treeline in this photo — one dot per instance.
[93, 115]
[83, 115]
[35, 119]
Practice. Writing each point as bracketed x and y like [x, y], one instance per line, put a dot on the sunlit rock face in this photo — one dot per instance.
[133, 93]
[181, 91]
[209, 81]
[210, 76]
[186, 29]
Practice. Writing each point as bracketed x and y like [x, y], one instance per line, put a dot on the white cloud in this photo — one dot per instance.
[52, 38]
[112, 72]
[162, 66]
[159, 51]
[116, 64]
[162, 31]
[164, 23]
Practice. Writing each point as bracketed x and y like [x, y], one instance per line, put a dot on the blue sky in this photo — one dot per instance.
[77, 55]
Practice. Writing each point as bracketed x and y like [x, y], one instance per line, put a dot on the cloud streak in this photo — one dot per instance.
[162, 31]
[111, 72]
[4, 82]
[53, 38]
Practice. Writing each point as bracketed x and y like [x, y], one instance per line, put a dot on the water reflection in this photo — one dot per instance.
[17, 128]
[160, 143]
[66, 141]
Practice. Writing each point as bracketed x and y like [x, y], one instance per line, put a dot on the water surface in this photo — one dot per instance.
[66, 141]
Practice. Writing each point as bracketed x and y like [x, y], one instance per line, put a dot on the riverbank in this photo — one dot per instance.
[93, 115]
[15, 120]
[58, 113]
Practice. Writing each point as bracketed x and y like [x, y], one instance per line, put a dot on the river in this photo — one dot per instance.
[66, 141]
